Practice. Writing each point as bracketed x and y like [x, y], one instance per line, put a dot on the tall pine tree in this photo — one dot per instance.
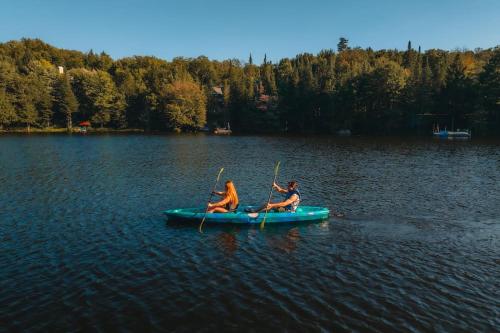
[65, 100]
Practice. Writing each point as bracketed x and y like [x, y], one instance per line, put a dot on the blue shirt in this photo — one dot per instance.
[293, 206]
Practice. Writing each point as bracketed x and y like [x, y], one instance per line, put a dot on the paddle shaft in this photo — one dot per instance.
[270, 192]
[210, 198]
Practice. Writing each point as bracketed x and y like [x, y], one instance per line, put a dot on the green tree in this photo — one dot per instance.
[202, 70]
[28, 114]
[7, 111]
[409, 57]
[183, 106]
[458, 94]
[489, 81]
[267, 79]
[20, 89]
[65, 101]
[42, 75]
[8, 75]
[343, 44]
[378, 97]
[108, 103]
[98, 97]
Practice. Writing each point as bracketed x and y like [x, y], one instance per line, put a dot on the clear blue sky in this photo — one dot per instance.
[222, 29]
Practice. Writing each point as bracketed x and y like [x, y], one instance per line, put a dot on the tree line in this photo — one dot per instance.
[363, 90]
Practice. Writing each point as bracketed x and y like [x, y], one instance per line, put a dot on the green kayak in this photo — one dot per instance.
[242, 216]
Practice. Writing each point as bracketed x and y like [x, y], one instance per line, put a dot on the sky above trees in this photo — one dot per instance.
[222, 29]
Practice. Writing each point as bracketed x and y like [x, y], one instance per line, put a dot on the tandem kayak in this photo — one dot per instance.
[302, 214]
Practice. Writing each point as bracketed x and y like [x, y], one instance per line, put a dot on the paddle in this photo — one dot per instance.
[276, 169]
[210, 198]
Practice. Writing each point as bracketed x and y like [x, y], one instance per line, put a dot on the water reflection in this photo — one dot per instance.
[227, 242]
[287, 242]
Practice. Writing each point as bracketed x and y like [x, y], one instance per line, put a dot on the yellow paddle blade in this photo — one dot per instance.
[220, 172]
[276, 168]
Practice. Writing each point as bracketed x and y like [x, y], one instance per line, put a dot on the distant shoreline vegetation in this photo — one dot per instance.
[63, 130]
[47, 89]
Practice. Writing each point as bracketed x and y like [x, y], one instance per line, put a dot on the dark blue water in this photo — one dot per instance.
[84, 245]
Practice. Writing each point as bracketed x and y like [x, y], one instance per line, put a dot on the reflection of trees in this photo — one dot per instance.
[277, 239]
[291, 239]
[287, 242]
[227, 242]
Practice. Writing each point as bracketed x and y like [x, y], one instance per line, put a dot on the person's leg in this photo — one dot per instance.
[272, 210]
[218, 210]
[253, 209]
[256, 210]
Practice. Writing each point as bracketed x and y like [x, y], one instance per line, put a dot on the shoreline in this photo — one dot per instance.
[66, 131]
[106, 130]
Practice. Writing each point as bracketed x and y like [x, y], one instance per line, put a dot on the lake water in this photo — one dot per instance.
[84, 245]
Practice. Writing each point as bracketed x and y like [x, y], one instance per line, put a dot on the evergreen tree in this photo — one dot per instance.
[7, 111]
[44, 106]
[457, 93]
[41, 79]
[22, 99]
[342, 44]
[268, 80]
[490, 90]
[409, 57]
[65, 101]
[28, 114]
[425, 90]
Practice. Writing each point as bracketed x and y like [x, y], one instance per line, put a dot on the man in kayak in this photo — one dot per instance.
[229, 202]
[292, 198]
[291, 202]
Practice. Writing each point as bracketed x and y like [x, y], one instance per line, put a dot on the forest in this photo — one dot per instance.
[365, 91]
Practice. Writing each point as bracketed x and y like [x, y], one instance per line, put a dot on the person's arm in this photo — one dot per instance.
[219, 193]
[279, 189]
[283, 203]
[221, 203]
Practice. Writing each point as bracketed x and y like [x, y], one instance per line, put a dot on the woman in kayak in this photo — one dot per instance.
[229, 202]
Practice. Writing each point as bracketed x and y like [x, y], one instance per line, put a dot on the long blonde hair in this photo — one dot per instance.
[231, 193]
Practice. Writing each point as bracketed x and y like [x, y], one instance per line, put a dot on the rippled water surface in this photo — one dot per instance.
[84, 246]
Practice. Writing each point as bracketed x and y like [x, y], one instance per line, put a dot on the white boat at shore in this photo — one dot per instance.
[458, 134]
